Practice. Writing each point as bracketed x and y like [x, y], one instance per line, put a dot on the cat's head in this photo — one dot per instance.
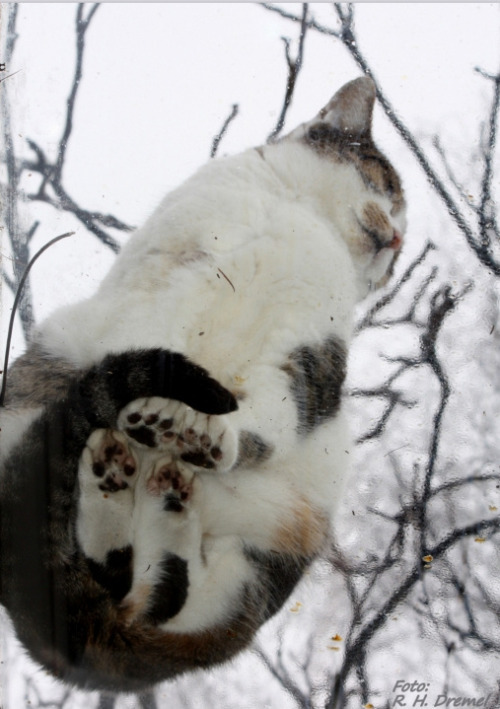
[354, 184]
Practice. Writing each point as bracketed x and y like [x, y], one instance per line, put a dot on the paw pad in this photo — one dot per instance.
[169, 426]
[175, 485]
[111, 460]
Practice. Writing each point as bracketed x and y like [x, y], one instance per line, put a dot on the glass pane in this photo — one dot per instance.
[125, 517]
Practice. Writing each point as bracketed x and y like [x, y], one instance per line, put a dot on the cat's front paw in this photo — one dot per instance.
[109, 461]
[200, 440]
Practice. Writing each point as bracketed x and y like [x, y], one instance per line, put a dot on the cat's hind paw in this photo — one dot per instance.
[110, 460]
[174, 484]
[200, 440]
[107, 474]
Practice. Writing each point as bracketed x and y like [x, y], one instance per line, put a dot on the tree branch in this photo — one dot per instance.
[294, 67]
[216, 141]
[82, 25]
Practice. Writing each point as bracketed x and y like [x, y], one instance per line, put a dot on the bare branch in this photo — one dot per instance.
[449, 172]
[294, 67]
[17, 239]
[443, 302]
[487, 215]
[82, 25]
[280, 673]
[222, 132]
[12, 35]
[388, 297]
[310, 23]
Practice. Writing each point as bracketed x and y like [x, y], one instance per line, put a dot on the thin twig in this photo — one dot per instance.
[82, 25]
[311, 23]
[222, 132]
[294, 67]
[487, 212]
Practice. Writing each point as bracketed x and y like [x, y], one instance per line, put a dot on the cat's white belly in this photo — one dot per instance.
[226, 309]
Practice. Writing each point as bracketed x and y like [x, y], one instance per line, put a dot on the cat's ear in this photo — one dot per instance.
[351, 108]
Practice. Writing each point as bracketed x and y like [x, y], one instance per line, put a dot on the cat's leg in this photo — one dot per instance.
[183, 579]
[175, 429]
[167, 542]
[107, 474]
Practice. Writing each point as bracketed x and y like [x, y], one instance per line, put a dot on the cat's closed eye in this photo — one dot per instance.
[389, 187]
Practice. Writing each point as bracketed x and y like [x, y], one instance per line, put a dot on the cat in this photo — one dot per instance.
[173, 449]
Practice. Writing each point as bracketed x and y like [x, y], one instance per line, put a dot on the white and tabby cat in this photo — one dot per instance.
[153, 516]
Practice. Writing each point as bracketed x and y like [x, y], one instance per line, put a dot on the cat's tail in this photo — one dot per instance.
[100, 650]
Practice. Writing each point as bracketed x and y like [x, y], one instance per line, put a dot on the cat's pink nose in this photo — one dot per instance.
[396, 241]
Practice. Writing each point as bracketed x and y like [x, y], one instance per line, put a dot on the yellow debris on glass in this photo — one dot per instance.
[428, 558]
[480, 539]
[296, 608]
